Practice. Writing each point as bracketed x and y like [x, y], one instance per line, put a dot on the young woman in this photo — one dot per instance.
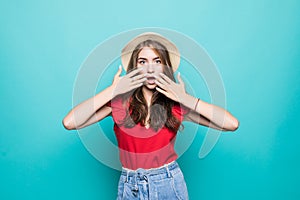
[148, 107]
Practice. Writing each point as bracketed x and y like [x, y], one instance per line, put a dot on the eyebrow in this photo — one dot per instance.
[146, 58]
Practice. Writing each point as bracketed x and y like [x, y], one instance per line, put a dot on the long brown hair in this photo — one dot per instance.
[161, 106]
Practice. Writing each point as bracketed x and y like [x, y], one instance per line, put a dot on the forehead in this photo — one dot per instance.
[148, 52]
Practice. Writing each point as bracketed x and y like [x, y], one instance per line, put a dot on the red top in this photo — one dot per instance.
[142, 147]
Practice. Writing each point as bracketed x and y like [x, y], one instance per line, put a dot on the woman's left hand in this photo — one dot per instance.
[172, 90]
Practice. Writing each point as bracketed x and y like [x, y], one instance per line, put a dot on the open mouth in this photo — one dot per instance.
[151, 80]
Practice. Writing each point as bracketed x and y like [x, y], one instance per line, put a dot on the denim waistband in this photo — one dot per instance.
[165, 182]
[151, 172]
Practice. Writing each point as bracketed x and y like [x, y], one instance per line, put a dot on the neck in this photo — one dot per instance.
[147, 95]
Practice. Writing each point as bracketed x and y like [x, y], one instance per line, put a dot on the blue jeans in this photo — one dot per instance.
[166, 182]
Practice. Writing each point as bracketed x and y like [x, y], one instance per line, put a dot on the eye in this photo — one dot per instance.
[158, 61]
[141, 62]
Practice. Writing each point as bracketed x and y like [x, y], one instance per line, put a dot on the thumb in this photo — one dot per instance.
[119, 71]
[179, 79]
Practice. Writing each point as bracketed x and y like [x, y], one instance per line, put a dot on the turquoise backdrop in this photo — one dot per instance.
[255, 45]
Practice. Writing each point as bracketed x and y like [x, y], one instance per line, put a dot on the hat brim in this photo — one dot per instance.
[131, 45]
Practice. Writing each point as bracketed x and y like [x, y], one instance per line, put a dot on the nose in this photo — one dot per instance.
[150, 68]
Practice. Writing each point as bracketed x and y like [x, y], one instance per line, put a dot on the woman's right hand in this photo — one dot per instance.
[128, 82]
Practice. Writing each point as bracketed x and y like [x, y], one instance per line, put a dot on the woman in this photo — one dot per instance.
[148, 107]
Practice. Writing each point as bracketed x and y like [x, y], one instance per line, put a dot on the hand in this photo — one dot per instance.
[128, 82]
[171, 89]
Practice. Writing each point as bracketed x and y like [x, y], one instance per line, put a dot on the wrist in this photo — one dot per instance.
[112, 91]
[196, 105]
[189, 101]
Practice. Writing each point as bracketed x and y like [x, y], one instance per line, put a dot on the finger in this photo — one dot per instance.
[179, 79]
[166, 78]
[142, 80]
[161, 85]
[161, 91]
[140, 76]
[161, 80]
[137, 81]
[119, 71]
[134, 72]
[134, 86]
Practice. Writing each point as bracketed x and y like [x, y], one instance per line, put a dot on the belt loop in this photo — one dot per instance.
[168, 171]
[135, 188]
[127, 176]
[135, 179]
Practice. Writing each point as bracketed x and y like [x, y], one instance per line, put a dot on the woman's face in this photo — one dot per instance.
[152, 65]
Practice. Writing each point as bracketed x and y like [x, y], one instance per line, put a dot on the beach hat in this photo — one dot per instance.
[131, 45]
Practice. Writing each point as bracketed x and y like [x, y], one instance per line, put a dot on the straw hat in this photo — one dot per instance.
[131, 45]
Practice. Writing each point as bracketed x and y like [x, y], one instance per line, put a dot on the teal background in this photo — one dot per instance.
[255, 45]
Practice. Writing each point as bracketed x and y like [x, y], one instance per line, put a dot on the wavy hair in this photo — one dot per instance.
[161, 106]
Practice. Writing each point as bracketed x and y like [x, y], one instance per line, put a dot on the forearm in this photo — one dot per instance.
[217, 115]
[83, 111]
